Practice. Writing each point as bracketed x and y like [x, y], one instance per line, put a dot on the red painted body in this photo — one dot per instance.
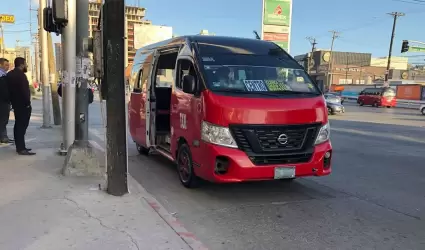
[225, 110]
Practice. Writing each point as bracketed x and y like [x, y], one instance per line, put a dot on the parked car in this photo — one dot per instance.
[333, 104]
[334, 96]
[422, 109]
[337, 94]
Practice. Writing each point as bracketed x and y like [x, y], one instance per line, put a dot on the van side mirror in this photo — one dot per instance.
[189, 85]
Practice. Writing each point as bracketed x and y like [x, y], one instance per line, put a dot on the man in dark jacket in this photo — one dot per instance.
[20, 97]
[4, 101]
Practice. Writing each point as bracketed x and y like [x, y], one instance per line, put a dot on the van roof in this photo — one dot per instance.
[213, 44]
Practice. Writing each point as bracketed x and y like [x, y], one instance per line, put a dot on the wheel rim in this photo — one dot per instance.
[184, 167]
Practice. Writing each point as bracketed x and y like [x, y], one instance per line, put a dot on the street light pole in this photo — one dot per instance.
[44, 68]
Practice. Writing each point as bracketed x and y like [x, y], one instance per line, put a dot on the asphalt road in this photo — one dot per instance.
[374, 199]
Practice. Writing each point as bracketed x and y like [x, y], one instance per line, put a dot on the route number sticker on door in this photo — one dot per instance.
[183, 123]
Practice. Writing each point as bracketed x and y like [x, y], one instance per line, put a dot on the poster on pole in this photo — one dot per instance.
[276, 22]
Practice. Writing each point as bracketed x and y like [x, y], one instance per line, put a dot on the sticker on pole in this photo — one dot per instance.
[65, 78]
[72, 79]
[86, 68]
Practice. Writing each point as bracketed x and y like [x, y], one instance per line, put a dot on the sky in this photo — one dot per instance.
[365, 25]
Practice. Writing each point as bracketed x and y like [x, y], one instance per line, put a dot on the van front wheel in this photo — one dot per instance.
[185, 169]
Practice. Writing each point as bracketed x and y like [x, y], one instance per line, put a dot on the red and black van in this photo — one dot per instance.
[228, 110]
[378, 97]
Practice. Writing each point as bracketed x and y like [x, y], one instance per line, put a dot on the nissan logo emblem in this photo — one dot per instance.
[282, 139]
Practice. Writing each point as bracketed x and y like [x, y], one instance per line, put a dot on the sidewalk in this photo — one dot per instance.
[41, 210]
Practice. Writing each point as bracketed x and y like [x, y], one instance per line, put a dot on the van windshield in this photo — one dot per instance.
[254, 79]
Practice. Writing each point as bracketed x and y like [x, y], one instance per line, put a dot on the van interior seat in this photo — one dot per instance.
[163, 106]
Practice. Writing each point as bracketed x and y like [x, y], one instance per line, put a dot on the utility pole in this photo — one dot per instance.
[126, 42]
[57, 120]
[335, 34]
[82, 66]
[346, 68]
[116, 134]
[313, 43]
[395, 16]
[44, 68]
[37, 58]
[68, 78]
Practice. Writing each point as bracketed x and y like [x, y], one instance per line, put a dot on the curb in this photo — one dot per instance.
[188, 237]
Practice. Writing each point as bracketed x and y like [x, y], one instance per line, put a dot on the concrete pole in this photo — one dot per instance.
[81, 159]
[68, 79]
[82, 99]
[44, 69]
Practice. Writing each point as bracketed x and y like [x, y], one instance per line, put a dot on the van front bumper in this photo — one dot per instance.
[241, 168]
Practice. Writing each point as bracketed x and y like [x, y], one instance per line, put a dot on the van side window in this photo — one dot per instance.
[139, 80]
[184, 67]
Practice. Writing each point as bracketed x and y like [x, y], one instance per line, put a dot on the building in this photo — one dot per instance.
[25, 52]
[397, 63]
[134, 15]
[206, 33]
[58, 57]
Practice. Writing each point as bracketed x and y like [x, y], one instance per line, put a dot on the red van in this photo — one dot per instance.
[228, 110]
[378, 97]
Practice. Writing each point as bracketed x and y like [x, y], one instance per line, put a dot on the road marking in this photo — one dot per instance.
[377, 134]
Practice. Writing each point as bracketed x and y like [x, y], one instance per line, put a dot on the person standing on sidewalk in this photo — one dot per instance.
[4, 101]
[20, 97]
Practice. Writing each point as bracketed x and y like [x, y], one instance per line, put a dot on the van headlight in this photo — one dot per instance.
[217, 135]
[324, 134]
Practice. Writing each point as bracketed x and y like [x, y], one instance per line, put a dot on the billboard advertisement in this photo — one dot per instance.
[148, 34]
[276, 22]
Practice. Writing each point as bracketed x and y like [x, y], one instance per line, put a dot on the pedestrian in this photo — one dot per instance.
[4, 101]
[20, 97]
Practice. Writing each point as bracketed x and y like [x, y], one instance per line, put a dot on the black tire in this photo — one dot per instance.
[330, 111]
[186, 173]
[361, 103]
[423, 111]
[375, 104]
[142, 150]
[288, 180]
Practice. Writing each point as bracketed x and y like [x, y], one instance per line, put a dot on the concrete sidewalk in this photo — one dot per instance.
[41, 209]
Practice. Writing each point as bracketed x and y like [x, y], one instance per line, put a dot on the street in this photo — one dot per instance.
[374, 198]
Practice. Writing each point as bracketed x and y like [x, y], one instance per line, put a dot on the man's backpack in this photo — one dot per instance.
[4, 90]
[89, 91]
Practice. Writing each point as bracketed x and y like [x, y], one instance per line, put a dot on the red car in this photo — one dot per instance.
[240, 110]
[378, 97]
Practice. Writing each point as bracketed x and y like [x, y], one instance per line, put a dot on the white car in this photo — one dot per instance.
[422, 109]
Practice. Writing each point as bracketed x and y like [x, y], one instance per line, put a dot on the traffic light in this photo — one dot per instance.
[405, 46]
